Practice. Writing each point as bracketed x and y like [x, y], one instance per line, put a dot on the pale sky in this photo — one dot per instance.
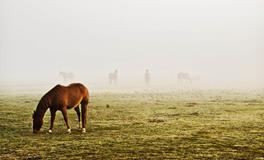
[221, 41]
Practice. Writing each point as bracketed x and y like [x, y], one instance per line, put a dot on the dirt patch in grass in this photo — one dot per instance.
[156, 120]
[194, 114]
[191, 104]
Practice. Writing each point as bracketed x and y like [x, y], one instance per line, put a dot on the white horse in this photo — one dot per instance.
[147, 77]
[67, 76]
[184, 78]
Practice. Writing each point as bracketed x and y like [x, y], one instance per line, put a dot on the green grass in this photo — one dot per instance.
[194, 125]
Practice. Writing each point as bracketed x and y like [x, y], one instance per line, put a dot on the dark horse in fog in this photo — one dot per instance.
[62, 98]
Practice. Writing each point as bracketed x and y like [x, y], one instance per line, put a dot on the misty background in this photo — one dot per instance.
[219, 43]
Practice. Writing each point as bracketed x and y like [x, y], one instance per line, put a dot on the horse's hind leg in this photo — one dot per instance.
[65, 116]
[84, 115]
[77, 109]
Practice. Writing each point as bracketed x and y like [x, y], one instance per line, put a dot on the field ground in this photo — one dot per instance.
[193, 125]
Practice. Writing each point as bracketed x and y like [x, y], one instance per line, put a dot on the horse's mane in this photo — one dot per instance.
[44, 102]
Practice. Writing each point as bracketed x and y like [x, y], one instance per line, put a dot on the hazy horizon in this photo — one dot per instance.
[219, 43]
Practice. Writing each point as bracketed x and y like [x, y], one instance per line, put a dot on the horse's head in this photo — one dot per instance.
[37, 122]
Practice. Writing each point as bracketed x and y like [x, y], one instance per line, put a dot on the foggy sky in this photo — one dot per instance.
[222, 42]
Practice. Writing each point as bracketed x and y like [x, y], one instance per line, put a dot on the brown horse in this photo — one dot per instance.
[62, 98]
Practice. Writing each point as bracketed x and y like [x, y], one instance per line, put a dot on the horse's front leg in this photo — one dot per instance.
[84, 116]
[52, 118]
[65, 116]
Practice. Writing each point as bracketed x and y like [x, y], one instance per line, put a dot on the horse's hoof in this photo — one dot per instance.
[50, 131]
[83, 130]
[69, 131]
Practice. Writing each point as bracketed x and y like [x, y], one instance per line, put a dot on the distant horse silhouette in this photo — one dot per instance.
[112, 77]
[184, 78]
[67, 76]
[62, 98]
[147, 77]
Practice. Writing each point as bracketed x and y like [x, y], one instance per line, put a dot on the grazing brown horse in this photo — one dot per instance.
[62, 98]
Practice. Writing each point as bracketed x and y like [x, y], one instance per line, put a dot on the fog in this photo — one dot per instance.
[220, 44]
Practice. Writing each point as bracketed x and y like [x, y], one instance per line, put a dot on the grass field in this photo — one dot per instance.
[193, 125]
